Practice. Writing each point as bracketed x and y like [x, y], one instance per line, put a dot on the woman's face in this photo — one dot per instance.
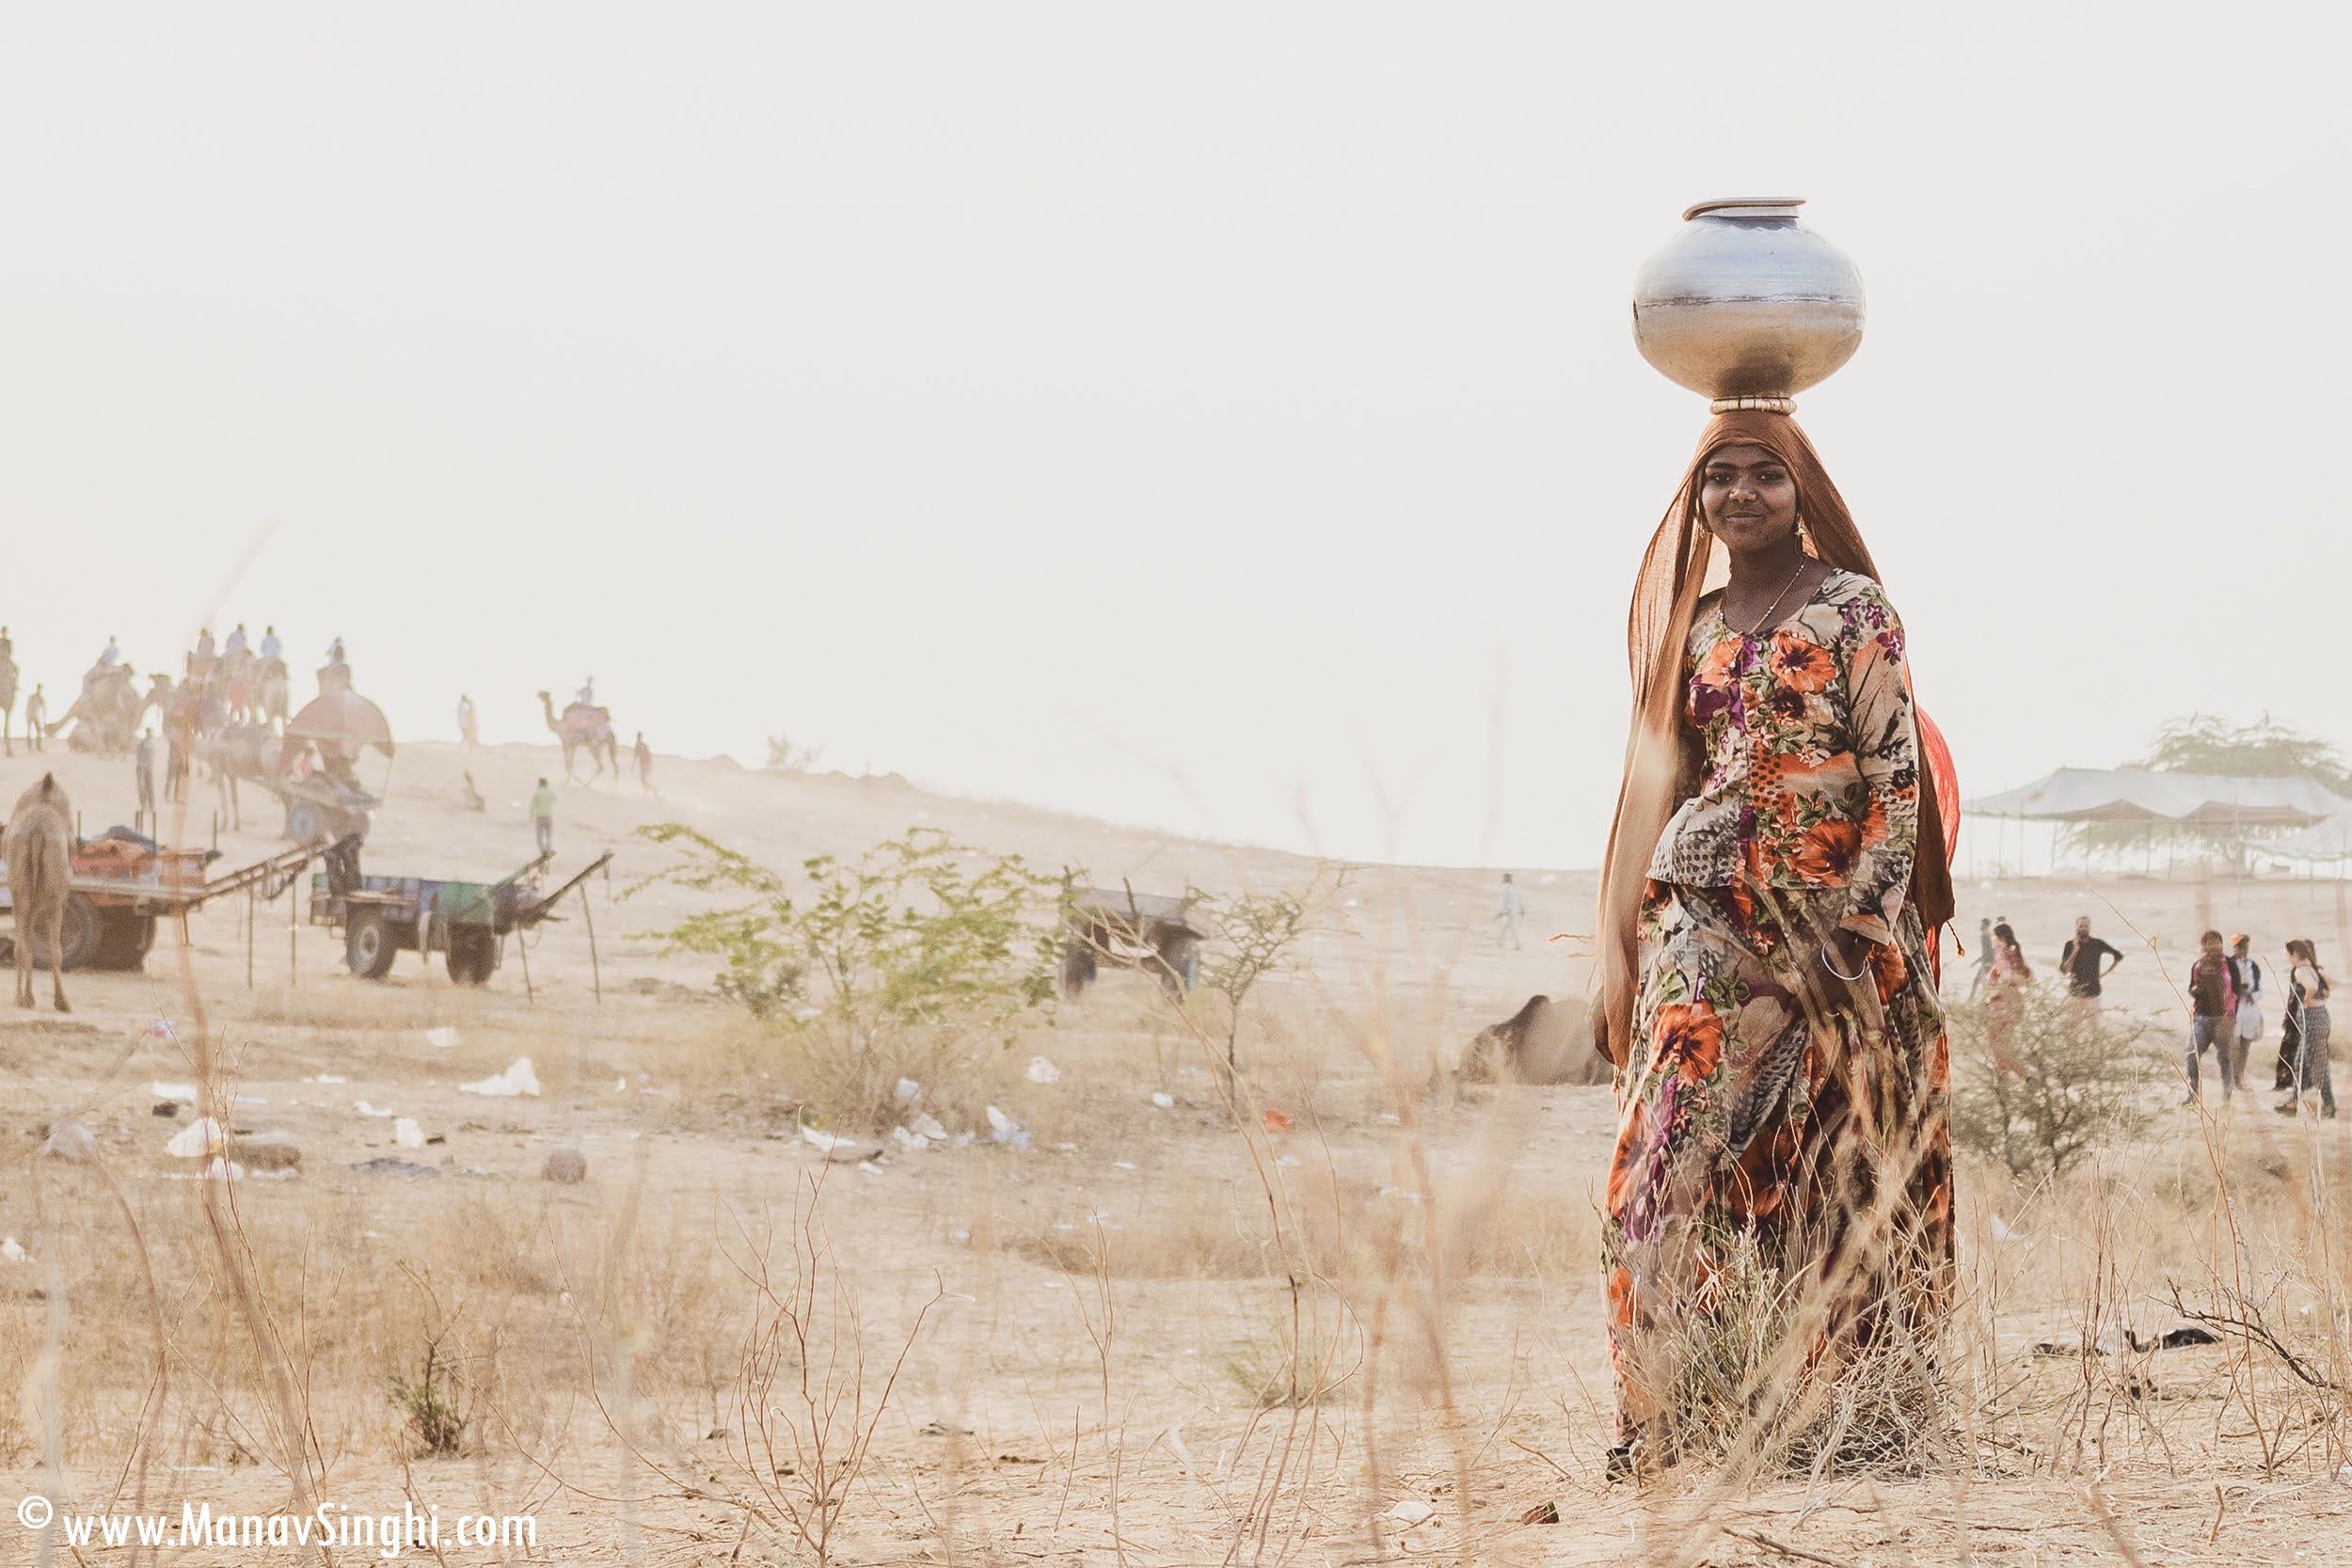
[1748, 498]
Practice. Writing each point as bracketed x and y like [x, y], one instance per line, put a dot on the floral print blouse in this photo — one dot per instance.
[1801, 756]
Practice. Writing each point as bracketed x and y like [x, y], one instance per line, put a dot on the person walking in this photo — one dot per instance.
[543, 816]
[2307, 1007]
[1512, 907]
[2246, 1021]
[644, 756]
[2081, 957]
[467, 734]
[1984, 975]
[2213, 1007]
[143, 760]
[36, 720]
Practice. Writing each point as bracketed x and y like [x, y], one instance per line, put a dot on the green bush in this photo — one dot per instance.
[913, 960]
[2043, 1078]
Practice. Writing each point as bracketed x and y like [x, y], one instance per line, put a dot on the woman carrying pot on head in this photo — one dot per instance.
[1776, 870]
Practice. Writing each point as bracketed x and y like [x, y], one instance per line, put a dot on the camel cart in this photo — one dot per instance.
[382, 917]
[331, 802]
[1148, 931]
[122, 885]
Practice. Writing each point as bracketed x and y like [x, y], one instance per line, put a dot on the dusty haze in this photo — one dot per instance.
[837, 371]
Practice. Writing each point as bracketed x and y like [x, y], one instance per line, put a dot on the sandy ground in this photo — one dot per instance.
[1048, 1409]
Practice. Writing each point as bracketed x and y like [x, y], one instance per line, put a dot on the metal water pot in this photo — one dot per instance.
[1746, 304]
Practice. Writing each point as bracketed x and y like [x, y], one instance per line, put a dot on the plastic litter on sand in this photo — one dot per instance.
[1044, 1071]
[516, 1079]
[367, 1110]
[1164, 1102]
[11, 1252]
[1007, 1131]
[184, 1093]
[197, 1139]
[444, 1035]
[407, 1134]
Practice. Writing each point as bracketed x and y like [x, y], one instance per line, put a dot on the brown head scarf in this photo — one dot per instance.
[1658, 629]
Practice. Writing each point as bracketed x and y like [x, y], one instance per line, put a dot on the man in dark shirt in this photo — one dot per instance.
[2080, 959]
[2213, 1003]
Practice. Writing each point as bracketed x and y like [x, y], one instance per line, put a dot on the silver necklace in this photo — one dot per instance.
[1768, 609]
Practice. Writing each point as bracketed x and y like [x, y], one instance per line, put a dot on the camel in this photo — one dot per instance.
[591, 728]
[39, 843]
[1544, 1042]
[107, 718]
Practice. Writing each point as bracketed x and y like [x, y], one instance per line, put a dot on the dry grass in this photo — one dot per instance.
[1252, 1344]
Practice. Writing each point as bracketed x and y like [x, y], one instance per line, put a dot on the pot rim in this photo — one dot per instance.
[1747, 206]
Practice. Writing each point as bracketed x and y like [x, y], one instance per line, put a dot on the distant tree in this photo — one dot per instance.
[2266, 749]
[786, 756]
[2207, 743]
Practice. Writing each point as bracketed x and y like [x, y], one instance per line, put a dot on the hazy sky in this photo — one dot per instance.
[1219, 417]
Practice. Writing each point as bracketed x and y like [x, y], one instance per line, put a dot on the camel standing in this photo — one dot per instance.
[584, 727]
[39, 845]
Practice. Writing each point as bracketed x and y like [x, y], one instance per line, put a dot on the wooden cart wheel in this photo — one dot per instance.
[125, 937]
[80, 934]
[368, 946]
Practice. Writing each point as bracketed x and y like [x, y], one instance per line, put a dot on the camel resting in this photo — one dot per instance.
[1544, 1042]
[38, 846]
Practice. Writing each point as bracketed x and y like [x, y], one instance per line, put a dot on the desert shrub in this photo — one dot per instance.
[2042, 1079]
[434, 1399]
[1255, 935]
[1299, 1356]
[920, 959]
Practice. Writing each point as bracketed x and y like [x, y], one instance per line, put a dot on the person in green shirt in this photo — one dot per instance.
[543, 816]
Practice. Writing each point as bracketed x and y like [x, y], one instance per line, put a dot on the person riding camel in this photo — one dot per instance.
[587, 694]
[271, 647]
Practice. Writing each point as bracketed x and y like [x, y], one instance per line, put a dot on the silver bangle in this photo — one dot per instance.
[1863, 973]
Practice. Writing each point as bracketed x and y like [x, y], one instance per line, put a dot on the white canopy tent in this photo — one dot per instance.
[2330, 840]
[2199, 806]
[2187, 799]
